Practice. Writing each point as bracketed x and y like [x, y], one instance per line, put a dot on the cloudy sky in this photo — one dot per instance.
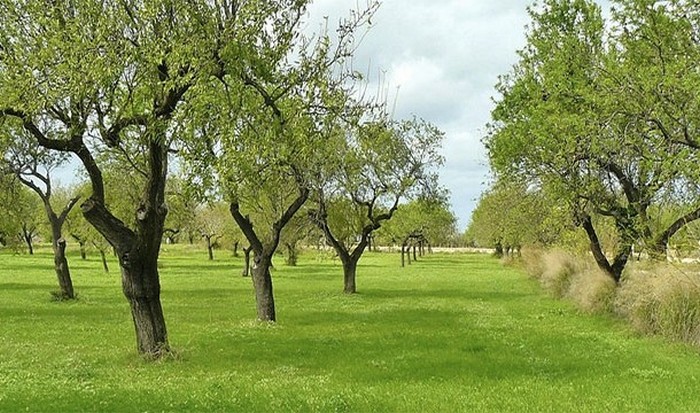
[443, 58]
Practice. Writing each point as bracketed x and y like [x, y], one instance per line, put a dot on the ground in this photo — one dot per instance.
[452, 332]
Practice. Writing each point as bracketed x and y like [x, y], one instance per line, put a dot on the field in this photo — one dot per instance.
[449, 333]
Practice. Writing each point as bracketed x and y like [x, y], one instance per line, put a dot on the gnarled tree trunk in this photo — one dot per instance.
[349, 275]
[62, 271]
[141, 287]
[262, 280]
[614, 269]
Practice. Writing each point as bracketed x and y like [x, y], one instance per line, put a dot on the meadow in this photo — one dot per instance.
[449, 333]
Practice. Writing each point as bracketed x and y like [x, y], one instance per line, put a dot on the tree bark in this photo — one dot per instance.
[615, 269]
[210, 249]
[62, 271]
[262, 280]
[141, 287]
[81, 243]
[415, 258]
[349, 276]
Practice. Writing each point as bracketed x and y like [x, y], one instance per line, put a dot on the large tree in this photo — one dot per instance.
[564, 124]
[88, 78]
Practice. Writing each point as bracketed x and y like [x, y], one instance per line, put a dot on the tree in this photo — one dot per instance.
[20, 218]
[32, 165]
[417, 223]
[182, 206]
[510, 215]
[379, 165]
[214, 222]
[91, 78]
[563, 125]
[87, 236]
[268, 141]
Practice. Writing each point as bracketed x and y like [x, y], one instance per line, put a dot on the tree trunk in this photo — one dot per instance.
[615, 269]
[104, 261]
[291, 254]
[27, 237]
[415, 258]
[83, 253]
[499, 250]
[246, 261]
[262, 280]
[403, 260]
[210, 249]
[349, 276]
[62, 271]
[235, 249]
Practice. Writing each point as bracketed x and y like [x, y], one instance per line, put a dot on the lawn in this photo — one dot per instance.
[449, 333]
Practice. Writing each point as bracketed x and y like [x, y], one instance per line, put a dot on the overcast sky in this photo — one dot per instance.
[443, 57]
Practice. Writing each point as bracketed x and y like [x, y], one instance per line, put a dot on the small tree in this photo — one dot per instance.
[32, 165]
[379, 165]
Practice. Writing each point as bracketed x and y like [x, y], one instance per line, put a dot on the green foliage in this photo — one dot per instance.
[21, 214]
[512, 215]
[404, 344]
[421, 220]
[595, 114]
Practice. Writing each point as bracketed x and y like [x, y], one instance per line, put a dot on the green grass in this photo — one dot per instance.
[447, 334]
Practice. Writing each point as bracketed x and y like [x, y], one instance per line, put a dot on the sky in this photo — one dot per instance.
[442, 59]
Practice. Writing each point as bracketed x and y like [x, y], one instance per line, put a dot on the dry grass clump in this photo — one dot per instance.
[592, 290]
[656, 298]
[664, 300]
[567, 276]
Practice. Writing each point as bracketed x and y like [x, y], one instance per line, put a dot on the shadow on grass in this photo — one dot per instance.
[26, 286]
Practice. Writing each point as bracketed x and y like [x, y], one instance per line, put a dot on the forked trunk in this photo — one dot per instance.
[262, 280]
[246, 261]
[27, 236]
[614, 269]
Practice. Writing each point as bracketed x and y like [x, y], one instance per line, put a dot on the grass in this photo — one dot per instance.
[449, 333]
